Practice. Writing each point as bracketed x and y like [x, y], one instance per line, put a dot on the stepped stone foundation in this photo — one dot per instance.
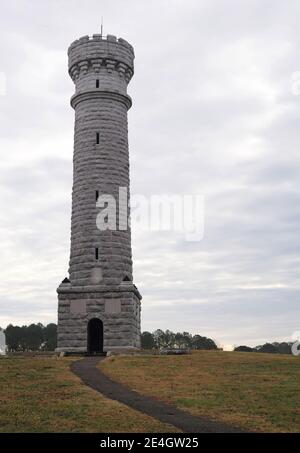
[100, 285]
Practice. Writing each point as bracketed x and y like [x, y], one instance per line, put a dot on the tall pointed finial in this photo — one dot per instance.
[101, 25]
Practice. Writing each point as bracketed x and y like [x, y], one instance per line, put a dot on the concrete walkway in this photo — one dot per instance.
[92, 376]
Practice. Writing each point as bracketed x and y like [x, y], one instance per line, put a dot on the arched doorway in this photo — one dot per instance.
[95, 335]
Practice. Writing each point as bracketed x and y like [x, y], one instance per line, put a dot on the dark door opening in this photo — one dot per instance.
[95, 335]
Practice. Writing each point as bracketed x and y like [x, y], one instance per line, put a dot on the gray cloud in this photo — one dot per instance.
[213, 113]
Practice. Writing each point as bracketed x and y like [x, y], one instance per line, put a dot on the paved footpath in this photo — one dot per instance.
[92, 376]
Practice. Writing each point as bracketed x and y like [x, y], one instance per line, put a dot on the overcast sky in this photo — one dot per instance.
[215, 111]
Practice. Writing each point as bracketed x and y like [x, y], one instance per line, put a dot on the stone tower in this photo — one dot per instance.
[99, 306]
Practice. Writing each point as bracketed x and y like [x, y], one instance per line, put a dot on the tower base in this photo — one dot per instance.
[98, 319]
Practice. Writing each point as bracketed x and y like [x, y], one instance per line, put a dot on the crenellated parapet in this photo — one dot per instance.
[101, 56]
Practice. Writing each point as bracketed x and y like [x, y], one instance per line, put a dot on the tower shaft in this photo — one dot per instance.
[99, 306]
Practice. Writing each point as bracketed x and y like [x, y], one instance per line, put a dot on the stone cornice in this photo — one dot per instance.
[96, 94]
[83, 66]
[123, 288]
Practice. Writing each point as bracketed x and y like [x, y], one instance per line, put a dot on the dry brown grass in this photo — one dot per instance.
[256, 391]
[42, 395]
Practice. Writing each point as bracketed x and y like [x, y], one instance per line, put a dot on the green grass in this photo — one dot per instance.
[42, 395]
[255, 391]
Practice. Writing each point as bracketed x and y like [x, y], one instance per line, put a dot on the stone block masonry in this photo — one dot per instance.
[100, 285]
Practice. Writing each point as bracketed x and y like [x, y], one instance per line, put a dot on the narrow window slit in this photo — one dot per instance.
[96, 253]
[97, 83]
[97, 138]
[97, 194]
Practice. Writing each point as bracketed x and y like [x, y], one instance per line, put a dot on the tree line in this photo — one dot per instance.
[271, 348]
[34, 337]
[167, 339]
[37, 337]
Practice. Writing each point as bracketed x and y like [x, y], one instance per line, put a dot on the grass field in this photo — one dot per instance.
[42, 395]
[259, 392]
[256, 391]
